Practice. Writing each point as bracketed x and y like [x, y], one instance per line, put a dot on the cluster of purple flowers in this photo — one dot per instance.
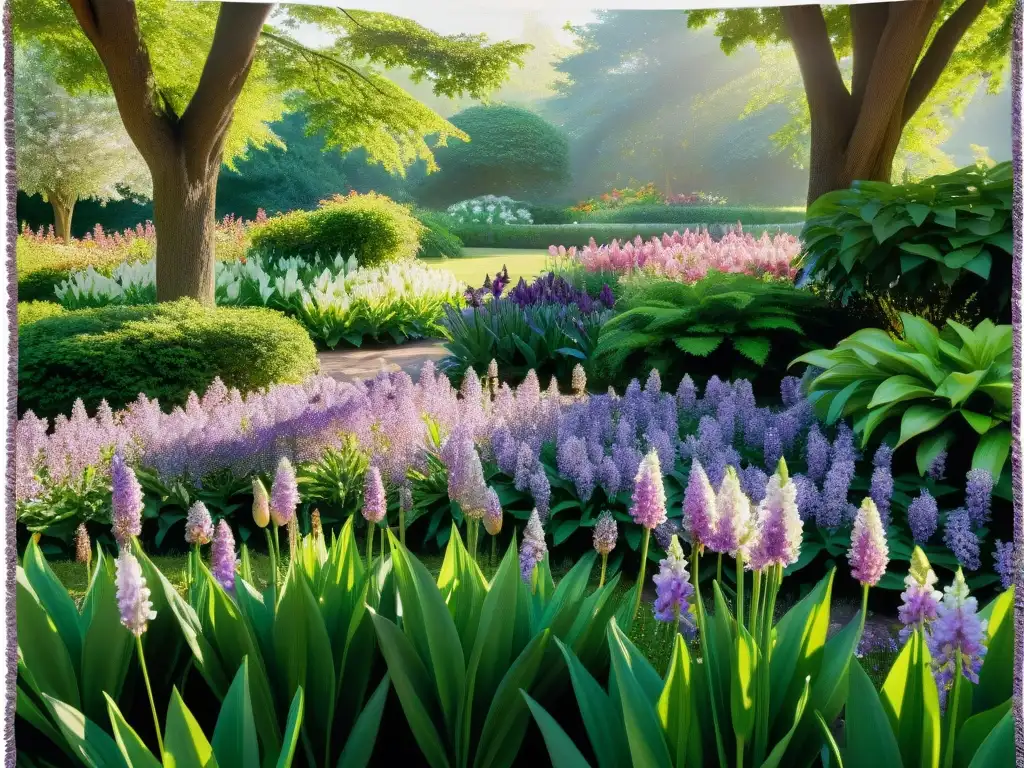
[546, 289]
[475, 297]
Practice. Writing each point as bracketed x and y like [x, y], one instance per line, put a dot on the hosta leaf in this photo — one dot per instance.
[997, 749]
[956, 259]
[992, 450]
[701, 346]
[754, 348]
[981, 265]
[980, 422]
[874, 418]
[995, 684]
[957, 386]
[836, 409]
[919, 419]
[922, 249]
[930, 447]
[920, 334]
[898, 388]
[975, 730]
[918, 213]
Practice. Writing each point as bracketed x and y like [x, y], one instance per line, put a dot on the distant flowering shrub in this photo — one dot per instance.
[620, 198]
[490, 210]
[688, 257]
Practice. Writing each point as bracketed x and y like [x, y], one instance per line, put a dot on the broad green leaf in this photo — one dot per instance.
[28, 710]
[995, 681]
[234, 736]
[701, 346]
[184, 741]
[361, 740]
[922, 249]
[918, 213]
[754, 348]
[676, 702]
[911, 702]
[291, 732]
[133, 748]
[87, 740]
[898, 388]
[463, 586]
[981, 265]
[643, 731]
[931, 446]
[959, 386]
[603, 724]
[975, 731]
[836, 409]
[870, 741]
[956, 259]
[41, 646]
[107, 646]
[920, 334]
[779, 750]
[993, 448]
[919, 419]
[868, 423]
[561, 749]
[980, 422]
[55, 600]
[997, 749]
[745, 663]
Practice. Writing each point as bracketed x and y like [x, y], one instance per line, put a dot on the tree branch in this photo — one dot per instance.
[867, 23]
[209, 111]
[939, 52]
[311, 53]
[823, 82]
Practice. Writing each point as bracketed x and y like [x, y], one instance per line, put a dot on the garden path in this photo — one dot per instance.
[358, 364]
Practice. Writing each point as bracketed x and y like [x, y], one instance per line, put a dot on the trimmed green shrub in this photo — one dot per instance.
[941, 249]
[511, 151]
[543, 235]
[373, 227]
[165, 351]
[551, 214]
[710, 214]
[30, 311]
[437, 239]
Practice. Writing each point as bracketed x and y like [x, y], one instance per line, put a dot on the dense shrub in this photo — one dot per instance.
[511, 151]
[544, 235]
[726, 324]
[941, 248]
[164, 351]
[437, 239]
[489, 211]
[373, 227]
[695, 214]
[30, 311]
[551, 214]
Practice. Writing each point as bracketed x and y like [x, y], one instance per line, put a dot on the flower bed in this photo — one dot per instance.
[490, 210]
[334, 299]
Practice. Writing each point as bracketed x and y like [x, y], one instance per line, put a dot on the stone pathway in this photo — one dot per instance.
[358, 364]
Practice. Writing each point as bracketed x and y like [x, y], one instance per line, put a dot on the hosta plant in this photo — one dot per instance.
[949, 390]
[929, 245]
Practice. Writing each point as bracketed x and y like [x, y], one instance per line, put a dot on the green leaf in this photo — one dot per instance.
[981, 265]
[975, 730]
[363, 736]
[745, 662]
[107, 646]
[676, 702]
[930, 447]
[922, 249]
[234, 736]
[897, 389]
[55, 600]
[946, 217]
[603, 725]
[997, 749]
[919, 419]
[291, 732]
[911, 702]
[980, 422]
[870, 741]
[701, 346]
[41, 647]
[184, 741]
[87, 740]
[995, 681]
[960, 386]
[992, 451]
[561, 749]
[643, 730]
[778, 752]
[918, 213]
[920, 334]
[754, 348]
[956, 259]
[133, 748]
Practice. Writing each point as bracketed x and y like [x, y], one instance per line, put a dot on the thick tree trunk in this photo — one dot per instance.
[62, 213]
[183, 213]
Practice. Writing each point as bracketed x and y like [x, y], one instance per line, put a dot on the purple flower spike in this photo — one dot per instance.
[1003, 557]
[961, 540]
[882, 485]
[534, 549]
[672, 583]
[734, 521]
[686, 394]
[198, 525]
[957, 628]
[126, 502]
[869, 552]
[923, 516]
[937, 469]
[606, 533]
[222, 557]
[375, 504]
[132, 594]
[83, 545]
[920, 598]
[648, 507]
[979, 496]
[492, 513]
[700, 518]
[540, 489]
[818, 450]
[284, 493]
[772, 447]
[779, 529]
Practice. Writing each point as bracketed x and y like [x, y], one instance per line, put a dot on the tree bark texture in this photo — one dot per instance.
[183, 152]
[855, 132]
[62, 213]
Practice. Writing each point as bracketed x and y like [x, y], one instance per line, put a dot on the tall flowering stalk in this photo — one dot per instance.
[648, 510]
[492, 521]
[136, 611]
[533, 550]
[869, 551]
[674, 589]
[198, 531]
[606, 533]
[261, 516]
[284, 498]
[920, 598]
[83, 549]
[375, 507]
[126, 502]
[222, 557]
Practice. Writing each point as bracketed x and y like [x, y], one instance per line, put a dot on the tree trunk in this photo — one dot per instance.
[62, 213]
[183, 214]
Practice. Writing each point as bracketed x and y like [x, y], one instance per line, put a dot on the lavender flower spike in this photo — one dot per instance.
[132, 594]
[648, 507]
[284, 494]
[869, 552]
[920, 598]
[260, 503]
[734, 528]
[779, 527]
[222, 557]
[492, 513]
[957, 628]
[126, 501]
[673, 587]
[375, 505]
[961, 540]
[923, 516]
[606, 533]
[979, 496]
[1003, 566]
[534, 548]
[198, 525]
[700, 517]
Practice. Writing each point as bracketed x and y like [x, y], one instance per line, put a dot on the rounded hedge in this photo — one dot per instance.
[511, 151]
[373, 227]
[437, 238]
[30, 311]
[165, 351]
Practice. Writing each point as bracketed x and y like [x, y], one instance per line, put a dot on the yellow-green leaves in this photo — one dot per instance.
[911, 702]
[745, 662]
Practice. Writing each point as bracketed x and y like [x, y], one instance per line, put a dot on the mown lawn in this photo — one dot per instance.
[475, 263]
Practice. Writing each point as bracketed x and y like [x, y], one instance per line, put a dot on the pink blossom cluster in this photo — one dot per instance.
[689, 256]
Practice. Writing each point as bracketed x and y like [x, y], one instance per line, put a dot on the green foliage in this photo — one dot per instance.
[164, 351]
[950, 390]
[30, 311]
[511, 151]
[551, 214]
[579, 234]
[735, 326]
[930, 248]
[695, 214]
[437, 239]
[550, 340]
[373, 227]
[43, 263]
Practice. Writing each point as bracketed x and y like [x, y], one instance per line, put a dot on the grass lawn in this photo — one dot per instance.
[477, 262]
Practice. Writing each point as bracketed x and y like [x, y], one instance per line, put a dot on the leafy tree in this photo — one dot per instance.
[901, 54]
[70, 147]
[511, 151]
[196, 83]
